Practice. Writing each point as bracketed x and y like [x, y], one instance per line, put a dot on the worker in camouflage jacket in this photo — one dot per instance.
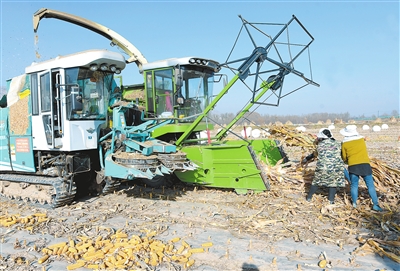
[330, 168]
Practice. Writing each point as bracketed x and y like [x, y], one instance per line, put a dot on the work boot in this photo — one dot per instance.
[377, 208]
[354, 205]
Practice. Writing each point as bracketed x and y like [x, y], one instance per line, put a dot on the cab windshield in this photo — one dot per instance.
[196, 90]
[87, 93]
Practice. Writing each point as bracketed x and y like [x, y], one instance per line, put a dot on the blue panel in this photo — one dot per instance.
[22, 158]
[4, 146]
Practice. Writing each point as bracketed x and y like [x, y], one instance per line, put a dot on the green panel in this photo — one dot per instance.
[179, 129]
[266, 149]
[224, 166]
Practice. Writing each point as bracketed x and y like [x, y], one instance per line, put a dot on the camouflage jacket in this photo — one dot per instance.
[329, 170]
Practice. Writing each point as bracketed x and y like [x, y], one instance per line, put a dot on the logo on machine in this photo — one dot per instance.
[90, 130]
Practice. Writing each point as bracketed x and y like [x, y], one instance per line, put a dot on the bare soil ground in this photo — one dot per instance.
[273, 230]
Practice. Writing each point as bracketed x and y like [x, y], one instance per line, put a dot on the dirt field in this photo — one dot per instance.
[273, 230]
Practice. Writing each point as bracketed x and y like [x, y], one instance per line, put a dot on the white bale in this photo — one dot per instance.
[376, 128]
[256, 133]
[248, 132]
[385, 126]
[331, 127]
[202, 134]
[365, 127]
[301, 128]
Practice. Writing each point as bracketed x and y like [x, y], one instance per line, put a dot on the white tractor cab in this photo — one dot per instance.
[51, 123]
[70, 98]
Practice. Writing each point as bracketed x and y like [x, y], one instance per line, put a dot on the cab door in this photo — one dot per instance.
[46, 107]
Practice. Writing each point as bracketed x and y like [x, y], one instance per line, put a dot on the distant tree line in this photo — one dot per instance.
[266, 119]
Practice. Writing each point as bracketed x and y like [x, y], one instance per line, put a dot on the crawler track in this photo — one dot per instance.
[47, 191]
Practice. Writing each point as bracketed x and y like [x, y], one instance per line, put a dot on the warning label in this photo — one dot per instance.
[22, 145]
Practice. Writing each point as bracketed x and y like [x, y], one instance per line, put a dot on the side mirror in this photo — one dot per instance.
[178, 77]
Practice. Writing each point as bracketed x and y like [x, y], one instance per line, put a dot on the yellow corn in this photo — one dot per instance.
[93, 266]
[72, 249]
[120, 262]
[180, 250]
[112, 259]
[122, 244]
[40, 214]
[189, 263]
[129, 253]
[135, 239]
[109, 264]
[183, 259]
[169, 248]
[153, 262]
[185, 244]
[43, 259]
[174, 240]
[55, 250]
[121, 235]
[76, 265]
[151, 234]
[47, 251]
[8, 224]
[64, 250]
[71, 243]
[208, 244]
[196, 250]
[160, 254]
[42, 219]
[123, 254]
[83, 238]
[94, 256]
[84, 246]
[57, 245]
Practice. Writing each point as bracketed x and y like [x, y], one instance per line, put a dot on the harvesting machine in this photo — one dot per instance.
[149, 130]
[55, 136]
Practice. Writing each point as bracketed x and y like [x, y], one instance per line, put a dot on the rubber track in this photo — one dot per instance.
[63, 196]
[110, 186]
[257, 161]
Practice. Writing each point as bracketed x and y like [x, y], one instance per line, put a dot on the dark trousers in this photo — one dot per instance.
[331, 192]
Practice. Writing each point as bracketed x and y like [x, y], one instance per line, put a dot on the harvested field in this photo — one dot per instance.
[216, 229]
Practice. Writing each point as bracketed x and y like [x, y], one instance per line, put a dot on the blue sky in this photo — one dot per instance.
[355, 55]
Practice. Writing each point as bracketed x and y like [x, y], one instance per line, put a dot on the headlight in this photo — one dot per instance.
[113, 68]
[117, 71]
[94, 67]
[103, 67]
[192, 61]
